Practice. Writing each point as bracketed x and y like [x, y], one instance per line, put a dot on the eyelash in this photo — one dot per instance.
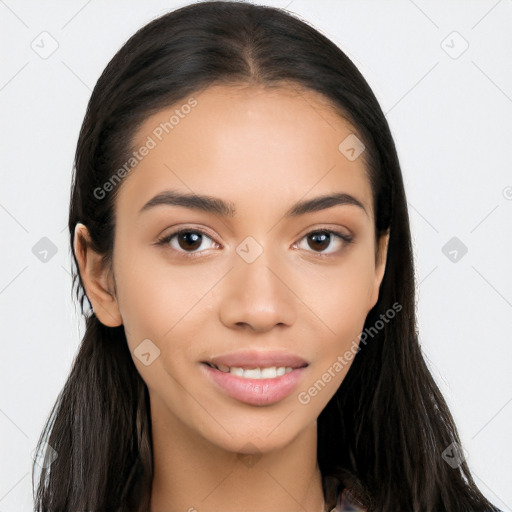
[347, 239]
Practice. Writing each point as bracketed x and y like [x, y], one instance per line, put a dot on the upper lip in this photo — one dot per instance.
[258, 359]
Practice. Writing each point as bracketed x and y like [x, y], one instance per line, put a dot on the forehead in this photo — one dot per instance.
[247, 144]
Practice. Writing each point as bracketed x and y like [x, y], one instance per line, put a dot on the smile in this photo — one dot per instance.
[270, 372]
[254, 386]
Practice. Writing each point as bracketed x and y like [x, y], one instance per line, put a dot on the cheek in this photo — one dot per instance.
[340, 293]
[348, 303]
[156, 298]
[157, 303]
[341, 296]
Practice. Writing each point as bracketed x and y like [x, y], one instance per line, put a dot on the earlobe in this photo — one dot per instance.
[380, 267]
[96, 278]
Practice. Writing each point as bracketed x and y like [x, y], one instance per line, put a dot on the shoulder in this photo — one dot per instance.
[347, 503]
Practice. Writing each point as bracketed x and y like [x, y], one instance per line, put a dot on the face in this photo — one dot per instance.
[249, 270]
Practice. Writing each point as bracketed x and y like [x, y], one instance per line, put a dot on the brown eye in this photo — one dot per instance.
[319, 241]
[325, 241]
[187, 241]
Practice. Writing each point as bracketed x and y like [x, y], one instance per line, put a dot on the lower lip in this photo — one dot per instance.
[255, 391]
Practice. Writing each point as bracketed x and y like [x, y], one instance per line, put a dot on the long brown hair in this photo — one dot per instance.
[383, 433]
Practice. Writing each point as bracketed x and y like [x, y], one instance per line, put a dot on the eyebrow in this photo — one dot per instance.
[218, 206]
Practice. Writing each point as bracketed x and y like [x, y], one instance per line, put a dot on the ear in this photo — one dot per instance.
[99, 284]
[380, 267]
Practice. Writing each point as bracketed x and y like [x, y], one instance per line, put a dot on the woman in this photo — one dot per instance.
[239, 228]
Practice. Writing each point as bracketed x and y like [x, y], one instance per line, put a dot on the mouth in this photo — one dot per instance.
[255, 378]
[267, 372]
[259, 364]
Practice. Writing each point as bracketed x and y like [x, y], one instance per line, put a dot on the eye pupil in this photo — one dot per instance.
[322, 238]
[189, 238]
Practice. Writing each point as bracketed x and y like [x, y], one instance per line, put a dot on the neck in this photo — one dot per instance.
[192, 474]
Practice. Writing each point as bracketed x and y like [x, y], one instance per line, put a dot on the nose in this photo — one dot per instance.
[257, 296]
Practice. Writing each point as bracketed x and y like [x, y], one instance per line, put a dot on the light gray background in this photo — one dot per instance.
[450, 115]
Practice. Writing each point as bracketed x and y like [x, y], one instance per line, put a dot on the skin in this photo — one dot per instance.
[263, 150]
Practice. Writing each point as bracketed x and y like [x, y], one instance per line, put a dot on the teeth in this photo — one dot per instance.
[259, 373]
[254, 373]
